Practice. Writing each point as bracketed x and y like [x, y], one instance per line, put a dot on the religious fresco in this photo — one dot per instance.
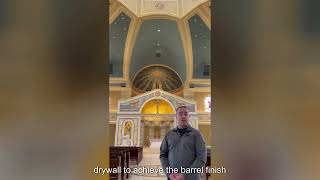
[127, 130]
[157, 77]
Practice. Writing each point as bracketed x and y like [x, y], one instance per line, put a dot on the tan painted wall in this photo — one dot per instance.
[112, 131]
[199, 98]
[206, 131]
[114, 97]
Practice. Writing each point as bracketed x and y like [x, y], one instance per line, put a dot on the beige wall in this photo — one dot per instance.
[114, 97]
[206, 131]
[112, 131]
[199, 98]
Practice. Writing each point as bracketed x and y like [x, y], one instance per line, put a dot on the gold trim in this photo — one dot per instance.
[117, 10]
[113, 13]
[204, 16]
[131, 35]
[196, 90]
[130, 42]
[158, 16]
[185, 20]
[195, 8]
[187, 46]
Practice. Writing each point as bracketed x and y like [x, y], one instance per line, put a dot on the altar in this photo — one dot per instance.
[149, 116]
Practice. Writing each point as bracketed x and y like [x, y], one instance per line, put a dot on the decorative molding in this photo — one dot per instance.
[130, 41]
[175, 8]
[187, 46]
[159, 5]
[168, 7]
[204, 16]
[208, 24]
[201, 117]
[114, 12]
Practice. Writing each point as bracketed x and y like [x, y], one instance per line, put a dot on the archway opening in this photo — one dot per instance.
[157, 117]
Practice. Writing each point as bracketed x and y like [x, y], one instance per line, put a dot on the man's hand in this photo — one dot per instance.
[176, 176]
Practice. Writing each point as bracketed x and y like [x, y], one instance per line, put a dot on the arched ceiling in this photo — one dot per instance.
[181, 43]
[201, 47]
[158, 42]
[175, 8]
[118, 31]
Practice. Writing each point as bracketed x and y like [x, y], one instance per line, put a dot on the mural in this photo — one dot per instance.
[127, 130]
[157, 77]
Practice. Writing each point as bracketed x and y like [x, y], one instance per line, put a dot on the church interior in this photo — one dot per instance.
[159, 59]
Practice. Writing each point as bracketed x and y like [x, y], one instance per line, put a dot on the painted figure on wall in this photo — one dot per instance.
[127, 130]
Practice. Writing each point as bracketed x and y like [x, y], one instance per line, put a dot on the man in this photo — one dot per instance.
[183, 147]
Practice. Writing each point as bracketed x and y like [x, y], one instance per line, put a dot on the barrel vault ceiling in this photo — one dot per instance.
[180, 41]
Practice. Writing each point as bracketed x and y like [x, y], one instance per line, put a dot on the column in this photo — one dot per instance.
[151, 132]
[162, 131]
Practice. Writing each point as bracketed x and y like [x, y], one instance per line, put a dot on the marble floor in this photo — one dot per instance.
[150, 160]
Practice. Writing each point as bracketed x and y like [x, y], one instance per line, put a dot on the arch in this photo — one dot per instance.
[157, 106]
[142, 105]
[176, 91]
[202, 9]
[159, 16]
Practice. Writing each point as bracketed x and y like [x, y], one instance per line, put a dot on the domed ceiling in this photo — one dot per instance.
[157, 77]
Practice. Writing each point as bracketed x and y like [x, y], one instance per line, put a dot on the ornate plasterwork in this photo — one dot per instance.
[175, 8]
[135, 104]
[120, 139]
[130, 111]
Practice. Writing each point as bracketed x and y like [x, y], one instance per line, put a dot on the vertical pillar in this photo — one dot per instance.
[151, 131]
[162, 131]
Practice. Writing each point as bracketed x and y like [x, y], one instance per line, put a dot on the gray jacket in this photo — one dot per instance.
[187, 151]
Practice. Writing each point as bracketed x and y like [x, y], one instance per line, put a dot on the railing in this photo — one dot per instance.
[202, 117]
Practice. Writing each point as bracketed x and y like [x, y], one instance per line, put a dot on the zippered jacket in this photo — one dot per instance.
[183, 151]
